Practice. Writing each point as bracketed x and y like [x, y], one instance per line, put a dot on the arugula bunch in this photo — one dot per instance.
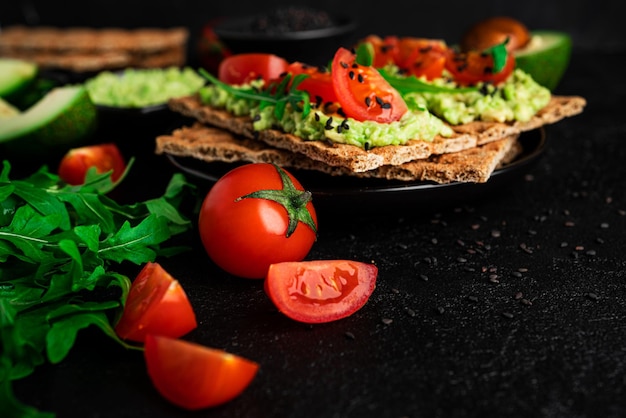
[277, 94]
[58, 244]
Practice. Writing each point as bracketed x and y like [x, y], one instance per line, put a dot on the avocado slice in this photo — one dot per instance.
[546, 57]
[7, 110]
[15, 76]
[63, 118]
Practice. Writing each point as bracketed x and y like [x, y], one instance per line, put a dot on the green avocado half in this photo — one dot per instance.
[15, 76]
[62, 119]
[546, 57]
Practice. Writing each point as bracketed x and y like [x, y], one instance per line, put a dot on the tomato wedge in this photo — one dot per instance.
[319, 83]
[243, 68]
[321, 290]
[156, 304]
[386, 49]
[193, 376]
[362, 92]
[471, 67]
[422, 57]
[77, 161]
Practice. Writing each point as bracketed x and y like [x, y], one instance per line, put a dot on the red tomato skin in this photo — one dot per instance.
[343, 287]
[156, 304]
[319, 84]
[423, 57]
[105, 157]
[193, 376]
[244, 237]
[359, 89]
[472, 67]
[243, 68]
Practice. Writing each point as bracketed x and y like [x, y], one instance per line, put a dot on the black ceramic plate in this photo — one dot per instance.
[341, 194]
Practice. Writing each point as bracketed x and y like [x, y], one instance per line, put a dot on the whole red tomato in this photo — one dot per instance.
[104, 157]
[256, 215]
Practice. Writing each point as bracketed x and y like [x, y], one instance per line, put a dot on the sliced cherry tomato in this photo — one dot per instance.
[471, 67]
[319, 84]
[105, 157]
[422, 57]
[243, 68]
[156, 304]
[386, 49]
[194, 376]
[362, 92]
[256, 215]
[321, 290]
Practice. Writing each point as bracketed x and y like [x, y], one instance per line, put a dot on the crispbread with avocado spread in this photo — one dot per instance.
[356, 159]
[214, 144]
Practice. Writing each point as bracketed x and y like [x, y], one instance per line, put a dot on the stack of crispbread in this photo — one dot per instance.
[82, 50]
[471, 154]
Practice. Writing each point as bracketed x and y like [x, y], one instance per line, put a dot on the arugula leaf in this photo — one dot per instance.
[499, 54]
[412, 84]
[58, 246]
[277, 94]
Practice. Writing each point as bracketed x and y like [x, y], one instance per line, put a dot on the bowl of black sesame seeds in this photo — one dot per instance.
[295, 33]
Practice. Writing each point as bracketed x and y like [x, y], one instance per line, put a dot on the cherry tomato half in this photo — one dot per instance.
[193, 376]
[362, 92]
[105, 157]
[156, 304]
[321, 290]
[471, 67]
[319, 83]
[243, 68]
[422, 57]
[256, 215]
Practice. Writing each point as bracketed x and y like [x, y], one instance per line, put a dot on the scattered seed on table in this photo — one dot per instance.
[604, 225]
[526, 302]
[592, 296]
[424, 277]
[564, 244]
[591, 253]
[461, 260]
[472, 298]
[410, 312]
[441, 310]
[508, 315]
[495, 233]
[517, 274]
[350, 335]
[569, 223]
[387, 321]
[518, 295]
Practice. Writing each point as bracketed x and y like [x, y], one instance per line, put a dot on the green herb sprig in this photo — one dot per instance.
[58, 246]
[277, 94]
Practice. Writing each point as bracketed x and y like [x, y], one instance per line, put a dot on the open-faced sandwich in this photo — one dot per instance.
[394, 108]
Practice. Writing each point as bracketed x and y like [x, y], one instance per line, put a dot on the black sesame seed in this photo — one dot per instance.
[256, 118]
[379, 101]
[351, 75]
[343, 64]
[368, 101]
[329, 123]
[360, 78]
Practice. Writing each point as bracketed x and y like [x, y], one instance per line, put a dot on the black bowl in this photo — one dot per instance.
[310, 46]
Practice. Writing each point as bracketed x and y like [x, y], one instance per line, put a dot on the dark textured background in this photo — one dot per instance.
[453, 328]
[592, 24]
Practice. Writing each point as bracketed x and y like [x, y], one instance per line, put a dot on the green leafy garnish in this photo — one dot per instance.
[365, 54]
[412, 84]
[499, 54]
[58, 244]
[277, 94]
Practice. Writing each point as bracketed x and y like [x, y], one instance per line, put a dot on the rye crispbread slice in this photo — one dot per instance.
[357, 159]
[81, 49]
[214, 144]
